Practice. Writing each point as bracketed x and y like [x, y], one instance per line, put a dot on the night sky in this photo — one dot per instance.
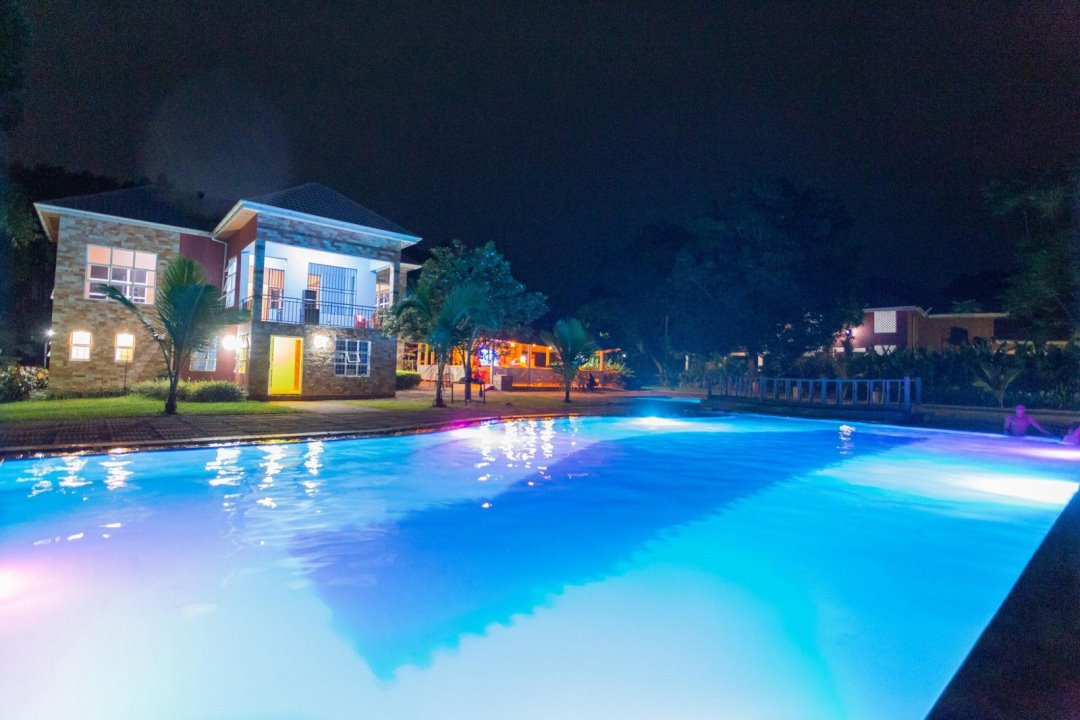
[560, 130]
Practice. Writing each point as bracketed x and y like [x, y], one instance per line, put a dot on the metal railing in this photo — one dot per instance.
[895, 393]
[305, 311]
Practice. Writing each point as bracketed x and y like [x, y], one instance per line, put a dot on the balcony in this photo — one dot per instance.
[309, 311]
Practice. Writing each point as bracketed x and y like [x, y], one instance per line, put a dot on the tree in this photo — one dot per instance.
[573, 348]
[995, 370]
[772, 269]
[509, 309]
[1042, 294]
[188, 314]
[441, 323]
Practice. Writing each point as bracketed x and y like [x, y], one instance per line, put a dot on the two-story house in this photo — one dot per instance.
[311, 266]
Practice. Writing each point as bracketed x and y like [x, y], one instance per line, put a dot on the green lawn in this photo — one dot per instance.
[543, 401]
[404, 404]
[125, 406]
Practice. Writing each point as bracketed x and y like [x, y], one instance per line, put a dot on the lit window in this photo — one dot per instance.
[133, 272]
[204, 360]
[229, 291]
[884, 322]
[241, 354]
[125, 347]
[351, 358]
[80, 345]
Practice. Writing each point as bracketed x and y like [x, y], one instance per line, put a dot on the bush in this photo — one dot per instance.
[215, 391]
[196, 391]
[17, 382]
[407, 380]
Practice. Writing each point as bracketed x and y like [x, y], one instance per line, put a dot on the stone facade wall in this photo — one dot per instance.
[73, 311]
[318, 379]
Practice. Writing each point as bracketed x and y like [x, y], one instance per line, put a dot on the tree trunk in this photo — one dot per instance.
[468, 372]
[440, 367]
[170, 399]
[567, 381]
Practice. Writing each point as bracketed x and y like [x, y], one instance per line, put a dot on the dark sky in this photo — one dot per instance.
[555, 129]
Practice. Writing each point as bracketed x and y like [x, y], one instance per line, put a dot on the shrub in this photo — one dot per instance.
[158, 389]
[215, 391]
[17, 382]
[196, 391]
[407, 380]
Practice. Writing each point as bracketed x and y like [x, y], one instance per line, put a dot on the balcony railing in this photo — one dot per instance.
[306, 311]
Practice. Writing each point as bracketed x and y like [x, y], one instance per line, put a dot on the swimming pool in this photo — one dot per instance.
[577, 568]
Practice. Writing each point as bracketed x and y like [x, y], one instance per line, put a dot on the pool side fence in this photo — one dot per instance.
[895, 394]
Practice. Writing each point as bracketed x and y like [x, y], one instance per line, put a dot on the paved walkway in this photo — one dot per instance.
[318, 419]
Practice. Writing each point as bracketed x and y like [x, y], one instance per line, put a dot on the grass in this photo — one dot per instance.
[550, 401]
[125, 406]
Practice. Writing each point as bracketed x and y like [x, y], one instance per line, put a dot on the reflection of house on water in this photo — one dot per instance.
[509, 364]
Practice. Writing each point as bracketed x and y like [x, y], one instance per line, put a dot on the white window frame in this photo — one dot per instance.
[125, 351]
[884, 322]
[229, 291]
[122, 275]
[204, 360]
[352, 358]
[80, 351]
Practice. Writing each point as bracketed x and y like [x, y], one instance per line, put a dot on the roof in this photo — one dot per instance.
[153, 204]
[319, 200]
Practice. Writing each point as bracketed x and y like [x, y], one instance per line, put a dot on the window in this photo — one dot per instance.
[125, 347]
[130, 271]
[884, 322]
[241, 354]
[229, 291]
[204, 360]
[351, 358]
[80, 345]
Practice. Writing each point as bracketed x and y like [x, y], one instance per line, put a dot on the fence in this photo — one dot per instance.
[898, 394]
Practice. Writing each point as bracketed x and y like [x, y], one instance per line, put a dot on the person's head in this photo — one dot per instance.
[1020, 411]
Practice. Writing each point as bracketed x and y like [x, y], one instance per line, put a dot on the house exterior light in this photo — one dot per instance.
[230, 342]
[321, 342]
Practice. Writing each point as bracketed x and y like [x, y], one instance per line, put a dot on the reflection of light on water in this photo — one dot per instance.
[76, 536]
[312, 457]
[1049, 452]
[74, 465]
[116, 474]
[268, 502]
[10, 584]
[660, 422]
[273, 465]
[846, 440]
[1049, 492]
[226, 465]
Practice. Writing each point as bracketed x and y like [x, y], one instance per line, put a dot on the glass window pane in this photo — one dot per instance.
[97, 254]
[123, 257]
[98, 272]
[138, 294]
[149, 296]
[120, 274]
[138, 277]
[146, 261]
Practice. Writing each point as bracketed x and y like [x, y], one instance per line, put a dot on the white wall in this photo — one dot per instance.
[295, 261]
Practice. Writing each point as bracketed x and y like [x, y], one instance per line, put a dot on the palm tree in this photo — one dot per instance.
[447, 325]
[573, 346]
[995, 371]
[188, 314]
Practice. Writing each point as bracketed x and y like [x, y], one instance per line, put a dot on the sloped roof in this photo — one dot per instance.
[316, 199]
[154, 204]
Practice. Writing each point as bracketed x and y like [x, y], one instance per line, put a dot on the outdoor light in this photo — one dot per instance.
[49, 332]
[125, 340]
[230, 342]
[321, 341]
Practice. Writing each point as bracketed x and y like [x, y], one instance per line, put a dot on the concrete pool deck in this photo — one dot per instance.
[1024, 665]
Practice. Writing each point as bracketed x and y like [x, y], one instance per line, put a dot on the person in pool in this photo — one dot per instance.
[1018, 423]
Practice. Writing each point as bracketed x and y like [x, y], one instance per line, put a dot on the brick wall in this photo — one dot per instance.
[102, 318]
[321, 237]
[318, 378]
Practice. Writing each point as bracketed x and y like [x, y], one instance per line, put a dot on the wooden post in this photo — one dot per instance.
[907, 393]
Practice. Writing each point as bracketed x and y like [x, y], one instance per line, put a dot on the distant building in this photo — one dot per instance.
[310, 265]
[909, 327]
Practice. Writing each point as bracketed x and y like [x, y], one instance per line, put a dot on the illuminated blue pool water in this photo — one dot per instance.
[596, 568]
